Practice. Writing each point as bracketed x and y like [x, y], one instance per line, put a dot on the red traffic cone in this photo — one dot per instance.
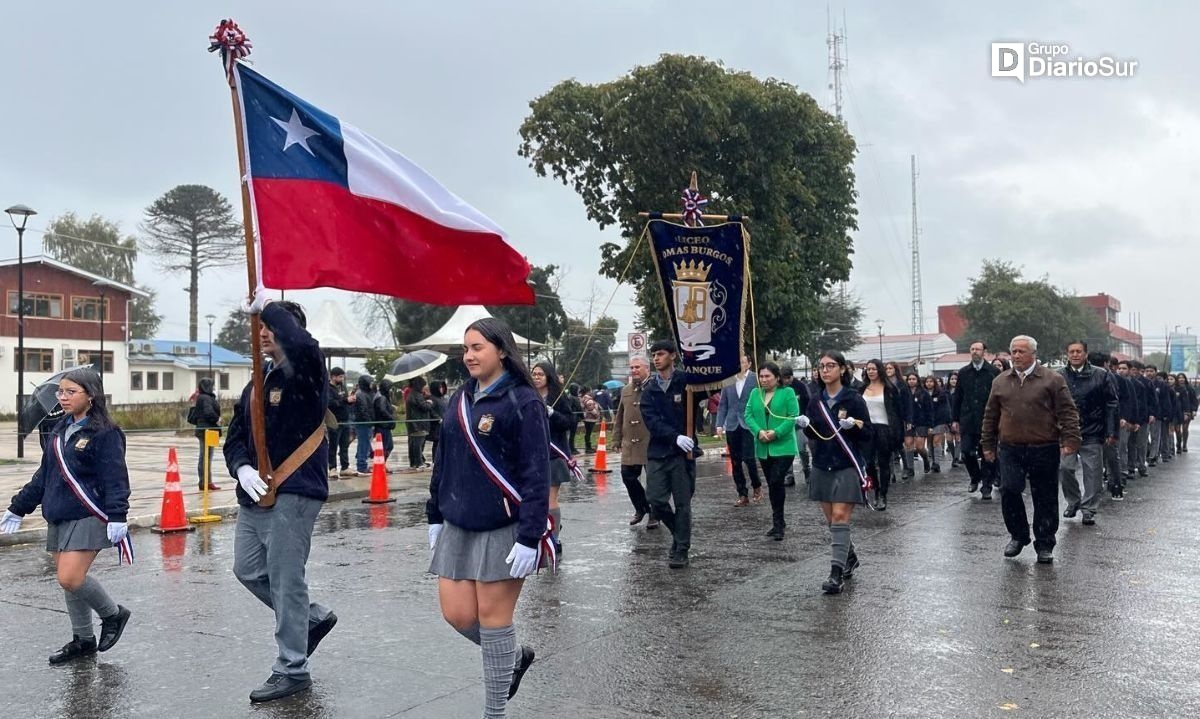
[379, 485]
[600, 465]
[173, 518]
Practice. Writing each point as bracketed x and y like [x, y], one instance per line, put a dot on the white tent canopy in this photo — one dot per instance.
[336, 333]
[449, 337]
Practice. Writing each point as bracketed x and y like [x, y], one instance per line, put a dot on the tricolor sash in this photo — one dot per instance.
[125, 546]
[865, 481]
[572, 465]
[545, 550]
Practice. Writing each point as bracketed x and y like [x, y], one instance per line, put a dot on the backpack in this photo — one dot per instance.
[193, 415]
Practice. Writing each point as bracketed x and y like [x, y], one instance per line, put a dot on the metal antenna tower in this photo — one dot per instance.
[836, 40]
[918, 310]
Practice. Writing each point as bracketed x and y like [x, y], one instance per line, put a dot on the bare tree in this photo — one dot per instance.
[190, 229]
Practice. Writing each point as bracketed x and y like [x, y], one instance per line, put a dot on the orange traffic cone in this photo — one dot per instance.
[600, 465]
[172, 517]
[379, 485]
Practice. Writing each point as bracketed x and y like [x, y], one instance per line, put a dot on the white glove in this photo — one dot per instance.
[686, 443]
[434, 531]
[261, 298]
[523, 560]
[803, 421]
[252, 484]
[117, 531]
[549, 410]
[9, 523]
[846, 422]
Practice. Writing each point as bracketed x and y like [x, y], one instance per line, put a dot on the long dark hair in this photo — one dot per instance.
[90, 382]
[497, 333]
[880, 371]
[554, 388]
[438, 388]
[846, 377]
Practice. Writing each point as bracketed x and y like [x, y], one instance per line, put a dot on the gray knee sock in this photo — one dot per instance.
[471, 632]
[499, 657]
[840, 546]
[81, 616]
[557, 514]
[92, 593]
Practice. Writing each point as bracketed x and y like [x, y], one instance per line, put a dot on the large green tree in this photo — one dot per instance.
[190, 229]
[762, 149]
[841, 313]
[583, 358]
[235, 333]
[1001, 304]
[96, 245]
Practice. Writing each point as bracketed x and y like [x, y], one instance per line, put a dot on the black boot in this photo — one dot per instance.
[881, 502]
[112, 627]
[75, 648]
[851, 565]
[833, 585]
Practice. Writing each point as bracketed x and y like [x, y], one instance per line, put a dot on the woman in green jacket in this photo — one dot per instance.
[770, 413]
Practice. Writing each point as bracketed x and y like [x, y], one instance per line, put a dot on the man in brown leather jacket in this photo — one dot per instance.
[630, 434]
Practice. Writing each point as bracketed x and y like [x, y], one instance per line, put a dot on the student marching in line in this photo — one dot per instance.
[487, 506]
[563, 467]
[83, 488]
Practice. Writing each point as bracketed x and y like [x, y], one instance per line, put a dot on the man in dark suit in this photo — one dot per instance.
[731, 424]
[966, 412]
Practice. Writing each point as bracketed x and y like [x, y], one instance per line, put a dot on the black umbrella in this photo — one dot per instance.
[42, 403]
[415, 364]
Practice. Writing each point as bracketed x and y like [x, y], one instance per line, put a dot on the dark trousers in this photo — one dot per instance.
[388, 442]
[1038, 465]
[571, 438]
[979, 469]
[667, 480]
[879, 461]
[362, 451]
[416, 451]
[775, 470]
[630, 474]
[339, 446]
[588, 428]
[200, 465]
[741, 456]
[1112, 466]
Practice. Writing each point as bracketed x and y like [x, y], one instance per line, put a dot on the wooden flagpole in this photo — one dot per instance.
[257, 414]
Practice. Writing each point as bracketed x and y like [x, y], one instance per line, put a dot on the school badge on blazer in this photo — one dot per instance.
[276, 396]
[80, 444]
[485, 424]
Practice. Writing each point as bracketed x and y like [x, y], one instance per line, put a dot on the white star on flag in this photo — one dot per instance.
[297, 133]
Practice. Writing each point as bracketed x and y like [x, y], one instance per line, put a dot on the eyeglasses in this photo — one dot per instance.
[66, 393]
[827, 365]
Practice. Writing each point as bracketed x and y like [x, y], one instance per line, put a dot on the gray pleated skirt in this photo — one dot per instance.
[560, 474]
[462, 554]
[841, 486]
[76, 535]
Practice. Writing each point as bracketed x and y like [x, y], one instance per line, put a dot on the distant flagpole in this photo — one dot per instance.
[233, 45]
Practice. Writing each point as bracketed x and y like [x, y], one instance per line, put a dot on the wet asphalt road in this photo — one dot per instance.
[936, 623]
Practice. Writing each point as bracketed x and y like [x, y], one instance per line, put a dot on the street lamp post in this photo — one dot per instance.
[100, 286]
[210, 319]
[879, 326]
[24, 213]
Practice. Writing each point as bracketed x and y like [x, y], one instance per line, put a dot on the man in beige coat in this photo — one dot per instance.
[631, 435]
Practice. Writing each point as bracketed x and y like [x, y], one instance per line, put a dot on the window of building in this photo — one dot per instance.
[135, 380]
[37, 305]
[151, 380]
[36, 360]
[88, 308]
[223, 382]
[168, 380]
[86, 357]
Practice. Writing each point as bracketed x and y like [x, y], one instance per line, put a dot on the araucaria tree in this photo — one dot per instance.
[762, 149]
[191, 229]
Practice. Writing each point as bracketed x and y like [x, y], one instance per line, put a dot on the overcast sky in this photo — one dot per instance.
[1087, 181]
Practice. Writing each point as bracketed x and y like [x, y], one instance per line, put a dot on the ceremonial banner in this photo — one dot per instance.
[704, 271]
[334, 207]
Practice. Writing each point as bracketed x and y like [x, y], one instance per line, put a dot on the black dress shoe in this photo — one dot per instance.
[278, 686]
[1013, 548]
[112, 627]
[319, 630]
[790, 481]
[986, 495]
[1045, 556]
[937, 468]
[881, 503]
[833, 585]
[678, 560]
[652, 524]
[75, 648]
[974, 486]
[527, 655]
[1070, 511]
[851, 565]
[637, 518]
[1089, 518]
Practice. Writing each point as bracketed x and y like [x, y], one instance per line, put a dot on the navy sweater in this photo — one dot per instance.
[922, 414]
[665, 415]
[827, 454]
[295, 397]
[97, 459]
[561, 422]
[940, 405]
[510, 425]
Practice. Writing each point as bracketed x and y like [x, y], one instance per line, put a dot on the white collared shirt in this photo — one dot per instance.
[741, 384]
[1022, 375]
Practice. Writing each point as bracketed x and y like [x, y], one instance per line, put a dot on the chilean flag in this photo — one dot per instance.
[334, 207]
